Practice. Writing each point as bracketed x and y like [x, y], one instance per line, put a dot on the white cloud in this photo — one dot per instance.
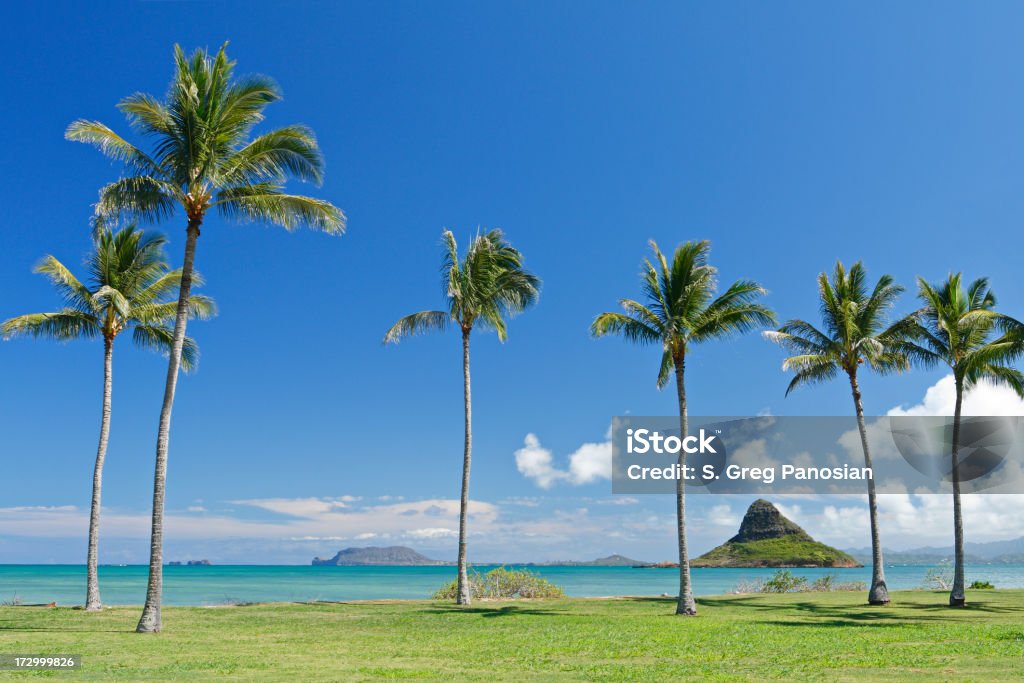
[296, 507]
[432, 532]
[535, 462]
[588, 463]
[986, 399]
[195, 508]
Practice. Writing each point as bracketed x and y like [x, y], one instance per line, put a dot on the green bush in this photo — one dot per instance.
[784, 581]
[503, 584]
[982, 585]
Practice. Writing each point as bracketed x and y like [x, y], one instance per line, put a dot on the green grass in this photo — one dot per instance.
[828, 636]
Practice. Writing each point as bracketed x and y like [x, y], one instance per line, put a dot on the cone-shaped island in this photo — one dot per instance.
[767, 539]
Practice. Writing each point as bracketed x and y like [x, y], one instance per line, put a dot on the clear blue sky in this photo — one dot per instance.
[789, 134]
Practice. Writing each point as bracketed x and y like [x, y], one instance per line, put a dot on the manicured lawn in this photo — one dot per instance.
[785, 637]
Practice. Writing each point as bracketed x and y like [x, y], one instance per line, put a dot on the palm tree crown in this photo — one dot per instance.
[681, 307]
[128, 288]
[855, 330]
[202, 156]
[960, 328]
[482, 288]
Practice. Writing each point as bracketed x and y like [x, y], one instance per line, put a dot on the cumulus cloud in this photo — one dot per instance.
[588, 463]
[431, 532]
[296, 507]
[986, 399]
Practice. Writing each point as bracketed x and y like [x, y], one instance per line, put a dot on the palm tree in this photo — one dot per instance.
[128, 289]
[681, 310]
[202, 158]
[855, 332]
[486, 285]
[961, 329]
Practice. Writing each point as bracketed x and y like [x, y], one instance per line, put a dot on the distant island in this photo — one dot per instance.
[610, 561]
[190, 563]
[768, 539]
[396, 555]
[990, 552]
[400, 555]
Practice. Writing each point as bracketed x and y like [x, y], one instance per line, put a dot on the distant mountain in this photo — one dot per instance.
[610, 561]
[768, 539]
[992, 552]
[391, 555]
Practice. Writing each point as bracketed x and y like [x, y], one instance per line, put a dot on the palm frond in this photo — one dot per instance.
[417, 323]
[267, 203]
[160, 338]
[61, 325]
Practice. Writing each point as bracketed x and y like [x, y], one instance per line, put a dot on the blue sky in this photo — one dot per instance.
[789, 134]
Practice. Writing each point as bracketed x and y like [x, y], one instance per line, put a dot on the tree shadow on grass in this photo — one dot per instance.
[847, 615]
[495, 611]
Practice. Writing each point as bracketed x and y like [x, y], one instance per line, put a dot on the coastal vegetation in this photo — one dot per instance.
[127, 291]
[502, 583]
[482, 288]
[785, 581]
[856, 331]
[202, 159]
[681, 310]
[792, 636]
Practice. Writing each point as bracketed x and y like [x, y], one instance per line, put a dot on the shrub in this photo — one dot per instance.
[503, 584]
[784, 581]
[982, 585]
[939, 578]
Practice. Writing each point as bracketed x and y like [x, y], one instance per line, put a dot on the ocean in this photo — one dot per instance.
[227, 584]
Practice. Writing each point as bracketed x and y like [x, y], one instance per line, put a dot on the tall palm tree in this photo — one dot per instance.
[681, 311]
[961, 329]
[855, 332]
[128, 289]
[202, 158]
[484, 287]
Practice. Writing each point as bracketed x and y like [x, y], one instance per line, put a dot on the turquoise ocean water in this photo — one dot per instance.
[216, 585]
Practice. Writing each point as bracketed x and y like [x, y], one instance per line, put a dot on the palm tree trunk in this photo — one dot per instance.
[686, 604]
[464, 596]
[956, 595]
[879, 593]
[92, 581]
[150, 621]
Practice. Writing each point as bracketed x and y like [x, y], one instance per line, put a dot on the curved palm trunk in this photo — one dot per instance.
[92, 582]
[956, 595]
[464, 596]
[879, 593]
[686, 604]
[150, 622]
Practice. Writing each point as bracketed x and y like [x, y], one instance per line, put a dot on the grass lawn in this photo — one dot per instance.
[822, 636]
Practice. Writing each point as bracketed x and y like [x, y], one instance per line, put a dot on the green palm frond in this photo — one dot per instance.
[483, 288]
[417, 323]
[201, 153]
[853, 330]
[160, 338]
[128, 287]
[266, 202]
[74, 293]
[112, 145]
[62, 325]
[144, 197]
[961, 329]
[680, 306]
